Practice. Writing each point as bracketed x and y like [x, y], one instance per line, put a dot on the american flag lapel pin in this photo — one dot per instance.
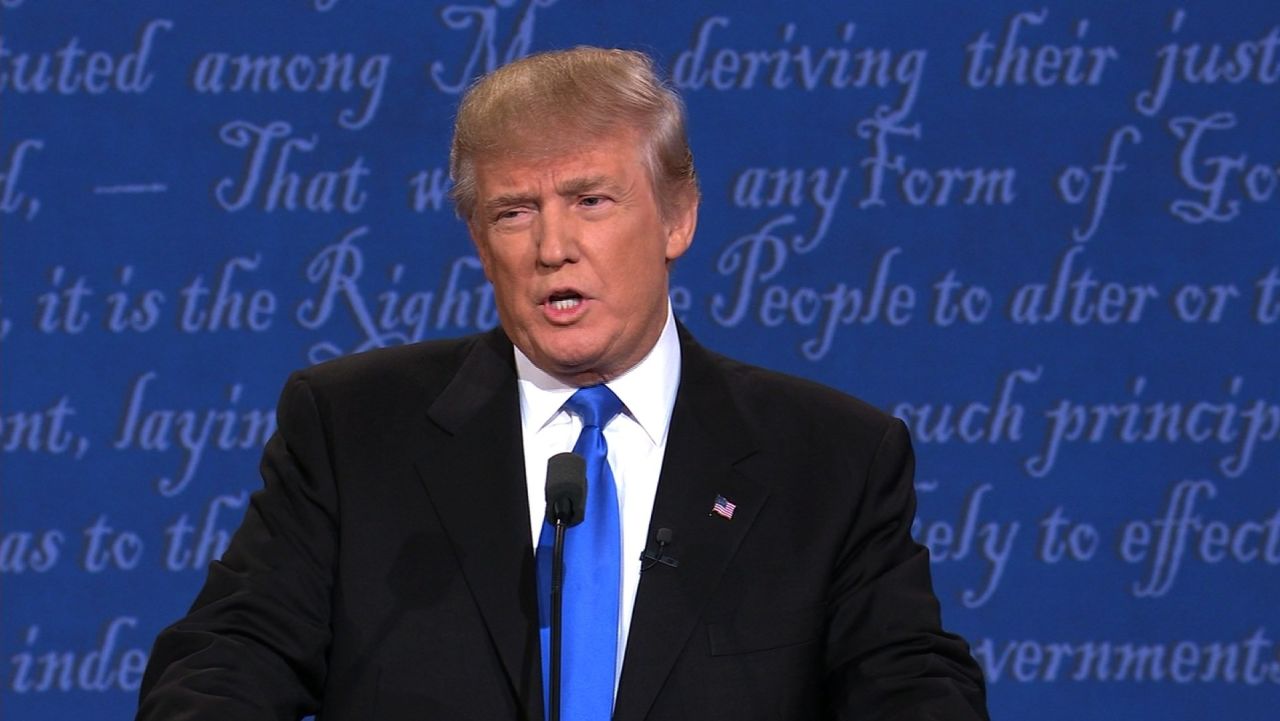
[723, 507]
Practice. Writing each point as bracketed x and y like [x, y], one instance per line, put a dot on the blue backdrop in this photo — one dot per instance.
[1043, 234]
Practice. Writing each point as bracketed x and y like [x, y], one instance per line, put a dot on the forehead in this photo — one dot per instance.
[616, 158]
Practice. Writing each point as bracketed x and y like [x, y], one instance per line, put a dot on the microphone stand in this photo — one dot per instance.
[557, 588]
[566, 501]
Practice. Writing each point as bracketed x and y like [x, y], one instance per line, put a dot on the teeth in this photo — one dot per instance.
[566, 304]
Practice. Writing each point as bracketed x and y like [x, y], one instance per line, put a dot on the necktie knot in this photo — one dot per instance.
[595, 405]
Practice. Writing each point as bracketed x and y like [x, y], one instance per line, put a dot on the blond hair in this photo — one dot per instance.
[554, 101]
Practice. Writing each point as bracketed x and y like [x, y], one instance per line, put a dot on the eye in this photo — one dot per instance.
[593, 201]
[510, 215]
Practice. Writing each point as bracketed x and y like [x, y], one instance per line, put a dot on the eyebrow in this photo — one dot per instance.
[578, 186]
[573, 186]
[507, 200]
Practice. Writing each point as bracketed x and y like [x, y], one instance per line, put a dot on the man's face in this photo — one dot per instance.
[577, 252]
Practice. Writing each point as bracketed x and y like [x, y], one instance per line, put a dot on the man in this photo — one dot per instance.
[387, 570]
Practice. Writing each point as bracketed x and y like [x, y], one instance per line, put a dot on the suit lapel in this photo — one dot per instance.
[473, 471]
[706, 441]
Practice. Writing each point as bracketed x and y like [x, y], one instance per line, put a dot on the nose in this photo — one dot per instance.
[557, 238]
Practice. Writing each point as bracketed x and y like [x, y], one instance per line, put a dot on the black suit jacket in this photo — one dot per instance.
[385, 571]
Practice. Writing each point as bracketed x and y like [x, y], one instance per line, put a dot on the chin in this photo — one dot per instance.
[570, 360]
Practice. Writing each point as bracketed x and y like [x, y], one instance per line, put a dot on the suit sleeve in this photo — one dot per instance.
[888, 657]
[253, 644]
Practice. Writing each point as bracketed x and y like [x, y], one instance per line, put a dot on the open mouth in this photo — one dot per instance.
[566, 300]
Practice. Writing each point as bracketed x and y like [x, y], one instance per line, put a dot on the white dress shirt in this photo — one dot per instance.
[637, 439]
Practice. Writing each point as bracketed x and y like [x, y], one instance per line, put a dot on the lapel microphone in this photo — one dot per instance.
[649, 559]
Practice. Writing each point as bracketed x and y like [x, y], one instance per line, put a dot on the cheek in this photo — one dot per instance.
[643, 283]
[502, 267]
[491, 272]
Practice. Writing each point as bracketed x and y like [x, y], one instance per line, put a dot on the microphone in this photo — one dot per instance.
[566, 489]
[649, 559]
[566, 506]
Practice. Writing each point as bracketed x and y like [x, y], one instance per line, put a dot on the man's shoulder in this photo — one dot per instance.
[774, 398]
[421, 369]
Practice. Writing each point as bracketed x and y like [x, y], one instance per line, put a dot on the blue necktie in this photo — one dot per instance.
[593, 563]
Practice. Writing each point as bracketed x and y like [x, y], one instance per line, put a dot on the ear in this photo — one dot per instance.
[680, 227]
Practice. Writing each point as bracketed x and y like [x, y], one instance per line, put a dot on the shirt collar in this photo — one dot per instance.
[647, 390]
